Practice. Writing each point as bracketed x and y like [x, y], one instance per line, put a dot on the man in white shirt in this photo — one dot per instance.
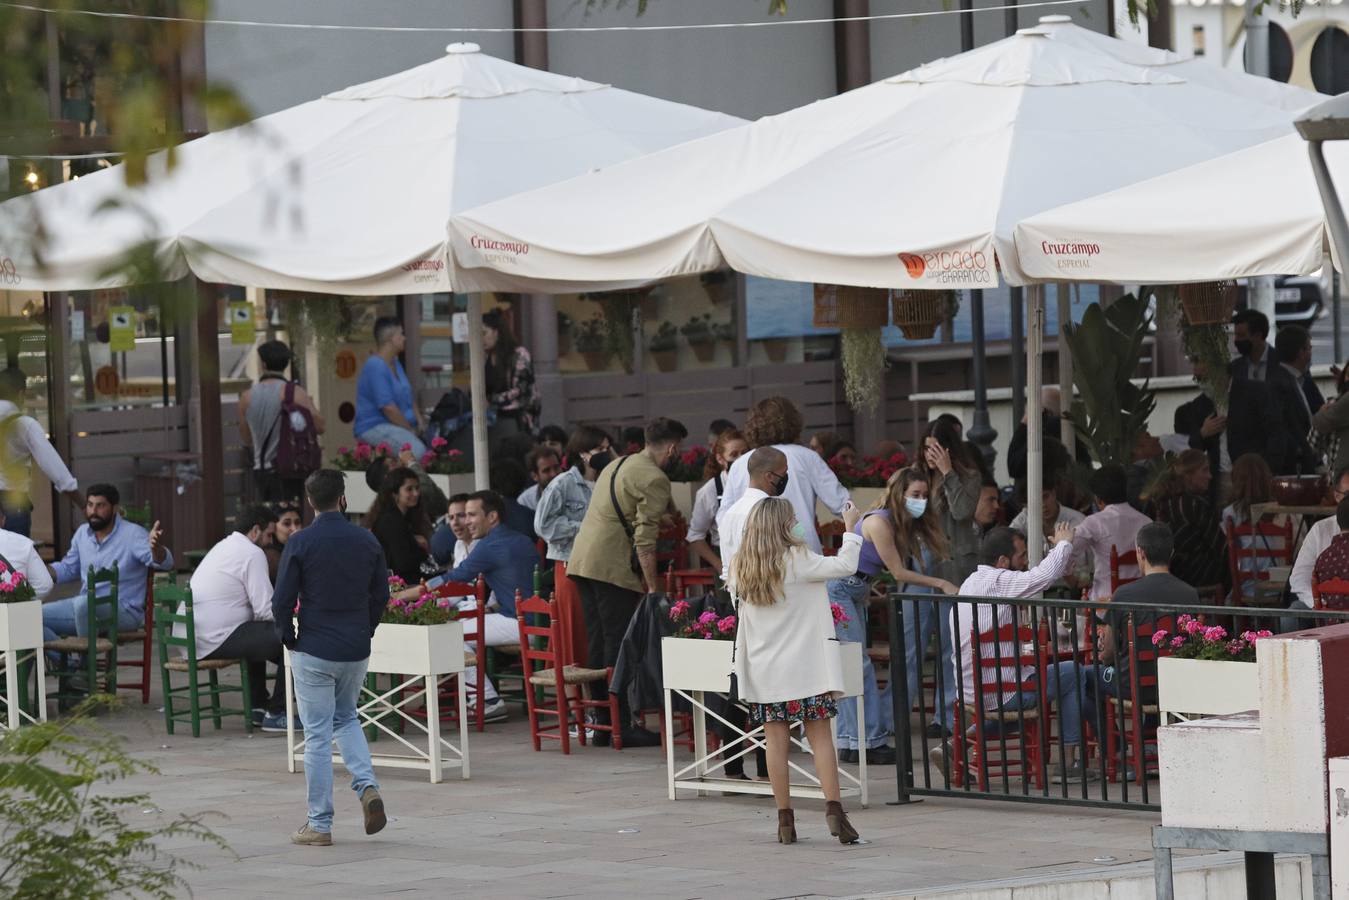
[232, 611]
[1002, 573]
[22, 556]
[544, 465]
[1314, 544]
[766, 469]
[22, 443]
[776, 422]
[1115, 524]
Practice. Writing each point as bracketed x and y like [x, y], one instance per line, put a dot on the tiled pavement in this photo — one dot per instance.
[593, 824]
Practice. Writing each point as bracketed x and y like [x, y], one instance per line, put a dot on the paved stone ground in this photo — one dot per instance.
[595, 824]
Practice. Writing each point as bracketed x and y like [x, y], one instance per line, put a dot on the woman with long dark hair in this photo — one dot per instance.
[1181, 498]
[954, 481]
[786, 662]
[288, 521]
[397, 520]
[1252, 483]
[510, 378]
[702, 535]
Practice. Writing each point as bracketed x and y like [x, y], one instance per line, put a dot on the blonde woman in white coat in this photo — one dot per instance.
[786, 660]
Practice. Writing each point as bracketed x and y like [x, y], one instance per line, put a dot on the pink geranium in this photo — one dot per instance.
[726, 625]
[438, 442]
[679, 610]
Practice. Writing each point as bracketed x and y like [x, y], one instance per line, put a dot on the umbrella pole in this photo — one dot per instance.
[1035, 314]
[981, 431]
[1066, 432]
[477, 366]
[1016, 351]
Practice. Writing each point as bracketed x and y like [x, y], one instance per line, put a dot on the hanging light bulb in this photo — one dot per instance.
[31, 178]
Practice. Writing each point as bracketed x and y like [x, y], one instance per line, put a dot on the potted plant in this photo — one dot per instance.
[1207, 672]
[917, 314]
[1111, 411]
[719, 285]
[592, 342]
[353, 461]
[775, 349]
[417, 636]
[663, 346]
[564, 326]
[20, 612]
[1209, 303]
[450, 469]
[698, 332]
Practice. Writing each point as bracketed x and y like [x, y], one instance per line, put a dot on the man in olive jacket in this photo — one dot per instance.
[630, 497]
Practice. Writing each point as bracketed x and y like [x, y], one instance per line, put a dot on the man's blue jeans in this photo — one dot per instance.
[327, 692]
[851, 594]
[1066, 682]
[395, 436]
[921, 618]
[63, 618]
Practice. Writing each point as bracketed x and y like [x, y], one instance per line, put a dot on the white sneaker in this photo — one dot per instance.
[495, 711]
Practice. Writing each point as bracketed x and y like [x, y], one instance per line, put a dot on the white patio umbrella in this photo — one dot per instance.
[1253, 212]
[915, 181]
[351, 193]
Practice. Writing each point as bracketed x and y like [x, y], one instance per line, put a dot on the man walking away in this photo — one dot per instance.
[22, 443]
[260, 425]
[339, 570]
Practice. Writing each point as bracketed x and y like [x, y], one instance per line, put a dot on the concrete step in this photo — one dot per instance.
[1209, 876]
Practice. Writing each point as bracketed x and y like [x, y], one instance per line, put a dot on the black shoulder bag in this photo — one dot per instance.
[634, 563]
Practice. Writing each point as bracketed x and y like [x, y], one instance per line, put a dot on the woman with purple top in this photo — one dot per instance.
[903, 538]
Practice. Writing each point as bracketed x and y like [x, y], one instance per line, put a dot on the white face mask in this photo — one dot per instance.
[916, 506]
[798, 531]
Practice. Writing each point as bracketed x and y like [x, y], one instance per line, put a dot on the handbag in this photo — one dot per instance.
[733, 695]
[633, 562]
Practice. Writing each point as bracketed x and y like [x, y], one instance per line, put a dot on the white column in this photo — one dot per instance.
[1035, 331]
[477, 365]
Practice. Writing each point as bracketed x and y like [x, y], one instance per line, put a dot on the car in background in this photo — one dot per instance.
[1298, 299]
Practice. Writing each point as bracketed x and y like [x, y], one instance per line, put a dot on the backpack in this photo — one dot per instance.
[297, 442]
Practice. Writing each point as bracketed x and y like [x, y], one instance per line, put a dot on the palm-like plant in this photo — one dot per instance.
[1110, 411]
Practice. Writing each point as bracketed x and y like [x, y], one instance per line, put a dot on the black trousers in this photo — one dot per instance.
[257, 643]
[607, 609]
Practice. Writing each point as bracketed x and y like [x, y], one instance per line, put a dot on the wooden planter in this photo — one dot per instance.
[417, 649]
[845, 306]
[666, 360]
[596, 360]
[776, 349]
[1209, 303]
[21, 625]
[1205, 687]
[919, 313]
[704, 350]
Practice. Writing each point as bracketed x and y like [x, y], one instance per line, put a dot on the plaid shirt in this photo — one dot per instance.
[1331, 564]
[986, 581]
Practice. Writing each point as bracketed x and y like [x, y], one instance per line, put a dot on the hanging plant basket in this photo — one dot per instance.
[919, 313]
[844, 306]
[1209, 303]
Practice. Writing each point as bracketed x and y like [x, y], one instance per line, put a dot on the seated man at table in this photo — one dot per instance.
[104, 539]
[1315, 542]
[1114, 524]
[1159, 588]
[21, 555]
[1333, 563]
[506, 559]
[451, 541]
[1002, 572]
[232, 608]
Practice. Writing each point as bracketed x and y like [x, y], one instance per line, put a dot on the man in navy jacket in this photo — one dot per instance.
[334, 576]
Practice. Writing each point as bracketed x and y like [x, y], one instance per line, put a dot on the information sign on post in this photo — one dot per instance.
[121, 329]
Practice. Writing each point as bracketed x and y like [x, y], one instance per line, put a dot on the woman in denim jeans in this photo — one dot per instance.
[900, 537]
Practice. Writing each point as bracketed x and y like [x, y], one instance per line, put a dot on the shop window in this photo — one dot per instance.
[1330, 61]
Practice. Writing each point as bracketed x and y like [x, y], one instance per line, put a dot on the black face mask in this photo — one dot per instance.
[781, 483]
[1243, 347]
[599, 460]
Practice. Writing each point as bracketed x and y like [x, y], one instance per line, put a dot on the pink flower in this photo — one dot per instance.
[404, 447]
[396, 582]
[6, 587]
[707, 618]
[18, 577]
[1262, 634]
[383, 448]
[840, 617]
[679, 610]
[1234, 648]
[342, 451]
[1193, 627]
[454, 453]
[427, 458]
[707, 636]
[726, 625]
[437, 442]
[362, 452]
[1215, 633]
[1158, 638]
[1177, 642]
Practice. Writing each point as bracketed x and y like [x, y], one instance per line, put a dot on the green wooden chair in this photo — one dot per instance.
[98, 646]
[138, 515]
[184, 703]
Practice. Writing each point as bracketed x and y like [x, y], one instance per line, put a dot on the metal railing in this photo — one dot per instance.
[1008, 742]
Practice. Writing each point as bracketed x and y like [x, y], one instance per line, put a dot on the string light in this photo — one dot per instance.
[560, 29]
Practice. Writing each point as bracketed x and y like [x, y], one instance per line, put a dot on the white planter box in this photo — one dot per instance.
[21, 625]
[360, 498]
[417, 649]
[1206, 687]
[454, 484]
[688, 664]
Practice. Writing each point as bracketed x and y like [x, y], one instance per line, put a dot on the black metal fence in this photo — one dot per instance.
[1004, 729]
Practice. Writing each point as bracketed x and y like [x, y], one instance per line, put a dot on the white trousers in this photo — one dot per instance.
[497, 630]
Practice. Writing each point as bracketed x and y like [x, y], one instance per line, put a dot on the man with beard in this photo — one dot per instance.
[232, 609]
[106, 538]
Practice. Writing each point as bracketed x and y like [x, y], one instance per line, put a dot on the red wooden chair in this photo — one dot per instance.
[671, 546]
[1016, 750]
[1262, 536]
[449, 700]
[1141, 733]
[678, 581]
[1117, 560]
[1336, 590]
[142, 636]
[540, 650]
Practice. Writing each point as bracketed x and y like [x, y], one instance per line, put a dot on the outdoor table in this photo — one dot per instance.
[694, 668]
[1305, 515]
[419, 657]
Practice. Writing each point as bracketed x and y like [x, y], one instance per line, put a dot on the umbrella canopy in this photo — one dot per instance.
[1212, 220]
[350, 193]
[915, 181]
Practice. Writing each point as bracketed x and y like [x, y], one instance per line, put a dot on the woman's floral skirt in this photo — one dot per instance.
[821, 706]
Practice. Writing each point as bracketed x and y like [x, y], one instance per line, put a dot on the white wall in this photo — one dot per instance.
[747, 72]
[275, 68]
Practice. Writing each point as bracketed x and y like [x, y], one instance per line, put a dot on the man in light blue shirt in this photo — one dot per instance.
[385, 409]
[104, 539]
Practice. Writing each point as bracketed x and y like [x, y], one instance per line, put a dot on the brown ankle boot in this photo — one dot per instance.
[786, 826]
[839, 826]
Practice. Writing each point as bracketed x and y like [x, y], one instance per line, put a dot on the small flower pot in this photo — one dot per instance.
[21, 625]
[563, 343]
[596, 360]
[417, 649]
[704, 350]
[359, 496]
[666, 360]
[776, 349]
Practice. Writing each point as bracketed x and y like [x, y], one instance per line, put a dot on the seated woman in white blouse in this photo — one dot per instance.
[786, 659]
